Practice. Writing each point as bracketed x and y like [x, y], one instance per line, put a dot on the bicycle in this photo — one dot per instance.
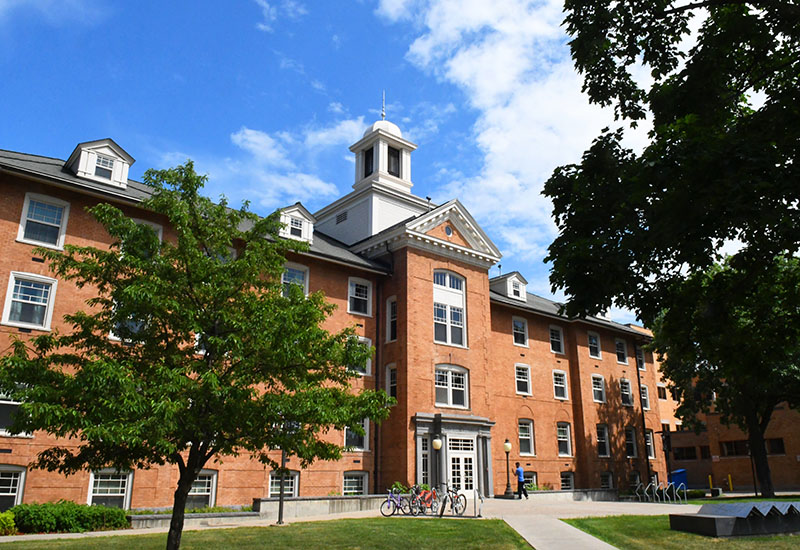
[458, 502]
[394, 502]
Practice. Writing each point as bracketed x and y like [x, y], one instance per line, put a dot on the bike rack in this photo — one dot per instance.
[636, 491]
[685, 491]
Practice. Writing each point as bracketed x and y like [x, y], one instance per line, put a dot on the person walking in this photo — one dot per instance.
[521, 490]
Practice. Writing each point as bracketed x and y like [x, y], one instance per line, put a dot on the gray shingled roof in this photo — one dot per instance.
[537, 304]
[52, 169]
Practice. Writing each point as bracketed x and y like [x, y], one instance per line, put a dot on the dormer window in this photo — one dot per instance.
[104, 167]
[516, 289]
[394, 161]
[296, 227]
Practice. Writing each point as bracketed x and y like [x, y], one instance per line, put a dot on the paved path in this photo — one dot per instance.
[539, 522]
[536, 521]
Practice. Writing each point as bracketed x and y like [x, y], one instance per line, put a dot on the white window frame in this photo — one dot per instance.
[51, 298]
[640, 360]
[105, 471]
[531, 436]
[596, 336]
[212, 496]
[604, 429]
[524, 333]
[568, 439]
[660, 386]
[296, 223]
[450, 369]
[368, 364]
[5, 433]
[365, 448]
[359, 281]
[291, 482]
[630, 430]
[602, 380]
[52, 201]
[565, 397]
[617, 342]
[104, 162]
[364, 481]
[448, 297]
[518, 367]
[649, 444]
[570, 477]
[644, 395]
[22, 471]
[158, 228]
[622, 393]
[298, 267]
[389, 302]
[560, 332]
[391, 368]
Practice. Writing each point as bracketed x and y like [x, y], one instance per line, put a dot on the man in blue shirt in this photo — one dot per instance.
[521, 490]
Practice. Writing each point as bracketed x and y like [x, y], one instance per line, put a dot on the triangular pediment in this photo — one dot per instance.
[462, 224]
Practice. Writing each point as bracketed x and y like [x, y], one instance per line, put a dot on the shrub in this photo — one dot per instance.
[67, 517]
[7, 526]
[695, 493]
[398, 487]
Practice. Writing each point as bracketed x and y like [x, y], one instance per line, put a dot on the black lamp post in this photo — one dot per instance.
[509, 493]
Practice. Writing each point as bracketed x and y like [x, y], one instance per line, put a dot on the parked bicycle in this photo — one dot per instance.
[423, 500]
[394, 502]
[458, 502]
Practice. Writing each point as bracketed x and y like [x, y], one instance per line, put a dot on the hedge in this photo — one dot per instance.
[66, 517]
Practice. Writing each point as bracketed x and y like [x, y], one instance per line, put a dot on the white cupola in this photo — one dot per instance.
[102, 160]
[384, 157]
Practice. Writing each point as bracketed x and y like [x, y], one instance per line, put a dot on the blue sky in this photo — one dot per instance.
[266, 96]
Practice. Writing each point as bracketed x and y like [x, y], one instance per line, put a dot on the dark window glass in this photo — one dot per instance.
[369, 161]
[775, 447]
[394, 161]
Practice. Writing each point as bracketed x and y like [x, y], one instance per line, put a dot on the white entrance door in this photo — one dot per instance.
[462, 464]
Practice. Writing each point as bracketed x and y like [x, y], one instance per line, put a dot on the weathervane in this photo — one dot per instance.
[383, 106]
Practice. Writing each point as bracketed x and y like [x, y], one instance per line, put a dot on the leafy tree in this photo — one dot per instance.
[211, 358]
[731, 345]
[721, 164]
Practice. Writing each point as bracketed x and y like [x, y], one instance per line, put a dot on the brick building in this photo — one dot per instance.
[472, 360]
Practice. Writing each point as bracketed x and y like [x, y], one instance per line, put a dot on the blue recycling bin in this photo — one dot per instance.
[679, 476]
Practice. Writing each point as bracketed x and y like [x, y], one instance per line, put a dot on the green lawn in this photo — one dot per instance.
[359, 534]
[653, 533]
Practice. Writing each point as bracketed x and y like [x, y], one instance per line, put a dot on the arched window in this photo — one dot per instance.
[452, 386]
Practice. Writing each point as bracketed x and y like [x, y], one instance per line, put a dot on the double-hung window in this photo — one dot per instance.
[640, 364]
[622, 351]
[567, 481]
[564, 437]
[295, 227]
[452, 388]
[594, 345]
[44, 221]
[519, 327]
[556, 340]
[366, 368]
[391, 380]
[598, 388]
[109, 487]
[29, 301]
[12, 482]
[606, 480]
[602, 441]
[625, 392]
[354, 441]
[391, 319]
[526, 443]
[104, 167]
[295, 274]
[648, 442]
[560, 384]
[355, 483]
[291, 483]
[203, 491]
[630, 442]
[522, 374]
[662, 392]
[645, 397]
[359, 299]
[449, 321]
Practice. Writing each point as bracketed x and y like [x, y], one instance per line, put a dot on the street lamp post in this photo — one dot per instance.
[509, 493]
[437, 445]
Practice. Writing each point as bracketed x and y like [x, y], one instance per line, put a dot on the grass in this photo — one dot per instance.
[359, 534]
[653, 533]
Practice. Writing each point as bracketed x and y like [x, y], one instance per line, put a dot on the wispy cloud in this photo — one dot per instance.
[271, 11]
[57, 12]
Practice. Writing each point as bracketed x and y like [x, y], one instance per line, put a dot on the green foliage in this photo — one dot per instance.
[424, 487]
[203, 510]
[534, 487]
[7, 526]
[693, 493]
[398, 487]
[66, 517]
[268, 376]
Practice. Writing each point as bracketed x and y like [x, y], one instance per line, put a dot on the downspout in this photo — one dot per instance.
[377, 370]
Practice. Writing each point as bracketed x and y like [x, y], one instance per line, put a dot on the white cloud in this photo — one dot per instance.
[344, 132]
[57, 12]
[271, 11]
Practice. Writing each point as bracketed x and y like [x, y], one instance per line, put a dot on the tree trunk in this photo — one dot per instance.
[758, 450]
[179, 509]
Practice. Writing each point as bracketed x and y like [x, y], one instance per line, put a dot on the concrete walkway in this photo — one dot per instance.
[536, 521]
[539, 522]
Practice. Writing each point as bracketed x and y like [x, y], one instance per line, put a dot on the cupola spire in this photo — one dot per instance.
[383, 106]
